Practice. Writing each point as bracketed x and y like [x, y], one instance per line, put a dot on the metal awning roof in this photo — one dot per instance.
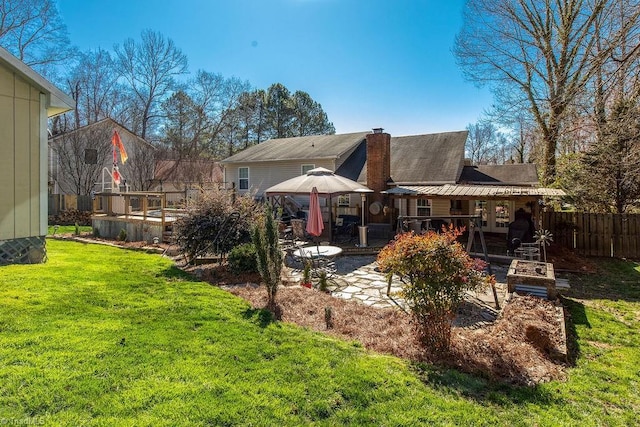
[474, 191]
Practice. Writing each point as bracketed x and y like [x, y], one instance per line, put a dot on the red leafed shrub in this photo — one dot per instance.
[438, 272]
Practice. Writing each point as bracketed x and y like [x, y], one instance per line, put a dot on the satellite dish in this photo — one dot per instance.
[375, 208]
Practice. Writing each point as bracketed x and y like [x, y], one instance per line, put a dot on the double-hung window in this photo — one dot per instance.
[243, 178]
[423, 207]
[306, 168]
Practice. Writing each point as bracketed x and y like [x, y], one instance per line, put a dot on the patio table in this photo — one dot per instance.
[320, 257]
[323, 251]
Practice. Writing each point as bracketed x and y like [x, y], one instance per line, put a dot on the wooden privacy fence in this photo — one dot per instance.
[595, 234]
[62, 202]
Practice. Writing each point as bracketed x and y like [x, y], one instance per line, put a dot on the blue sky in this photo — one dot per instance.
[370, 63]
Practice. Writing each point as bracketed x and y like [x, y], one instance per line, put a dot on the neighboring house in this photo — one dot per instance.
[420, 175]
[26, 101]
[80, 160]
[182, 175]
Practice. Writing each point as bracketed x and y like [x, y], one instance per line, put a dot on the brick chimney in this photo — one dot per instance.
[378, 168]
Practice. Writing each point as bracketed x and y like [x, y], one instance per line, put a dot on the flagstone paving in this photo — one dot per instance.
[358, 278]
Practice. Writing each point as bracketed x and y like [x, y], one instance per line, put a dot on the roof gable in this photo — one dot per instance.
[107, 124]
[432, 158]
[299, 148]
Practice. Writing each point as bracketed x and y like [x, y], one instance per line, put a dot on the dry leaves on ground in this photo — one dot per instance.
[522, 347]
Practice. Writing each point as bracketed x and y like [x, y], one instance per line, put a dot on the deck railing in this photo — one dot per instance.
[162, 206]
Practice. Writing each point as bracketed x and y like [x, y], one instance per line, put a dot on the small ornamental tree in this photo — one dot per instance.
[268, 255]
[439, 272]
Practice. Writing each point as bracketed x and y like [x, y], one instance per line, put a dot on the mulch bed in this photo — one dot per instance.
[564, 259]
[522, 347]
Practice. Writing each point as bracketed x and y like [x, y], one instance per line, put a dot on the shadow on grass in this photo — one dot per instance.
[577, 315]
[174, 273]
[480, 389]
[263, 316]
[615, 279]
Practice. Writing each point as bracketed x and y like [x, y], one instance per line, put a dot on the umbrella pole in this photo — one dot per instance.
[330, 220]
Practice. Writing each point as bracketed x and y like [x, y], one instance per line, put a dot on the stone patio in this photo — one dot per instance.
[357, 278]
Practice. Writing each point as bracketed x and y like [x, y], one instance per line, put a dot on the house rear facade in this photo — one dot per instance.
[418, 175]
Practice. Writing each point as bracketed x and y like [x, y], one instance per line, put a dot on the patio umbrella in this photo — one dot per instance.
[326, 182]
[315, 225]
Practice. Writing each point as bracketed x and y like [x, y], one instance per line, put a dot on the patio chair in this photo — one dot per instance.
[286, 234]
[298, 229]
[345, 228]
[291, 260]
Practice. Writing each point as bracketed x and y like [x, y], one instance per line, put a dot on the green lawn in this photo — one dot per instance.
[66, 229]
[104, 336]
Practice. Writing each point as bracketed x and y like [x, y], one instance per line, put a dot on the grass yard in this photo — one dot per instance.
[105, 336]
[68, 229]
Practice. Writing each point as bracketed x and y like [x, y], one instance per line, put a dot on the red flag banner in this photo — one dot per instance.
[116, 176]
[117, 143]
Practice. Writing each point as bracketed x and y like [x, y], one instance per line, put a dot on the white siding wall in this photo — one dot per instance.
[267, 174]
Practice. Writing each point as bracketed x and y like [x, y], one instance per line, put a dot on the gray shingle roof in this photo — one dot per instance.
[435, 158]
[516, 174]
[299, 148]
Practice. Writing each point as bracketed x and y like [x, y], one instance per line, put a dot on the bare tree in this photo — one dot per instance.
[34, 32]
[140, 167]
[149, 67]
[93, 84]
[218, 97]
[537, 53]
[482, 143]
[80, 158]
[600, 155]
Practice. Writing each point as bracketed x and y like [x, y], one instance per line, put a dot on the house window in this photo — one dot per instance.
[423, 207]
[90, 156]
[456, 207]
[344, 200]
[243, 178]
[503, 214]
[307, 168]
[481, 211]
